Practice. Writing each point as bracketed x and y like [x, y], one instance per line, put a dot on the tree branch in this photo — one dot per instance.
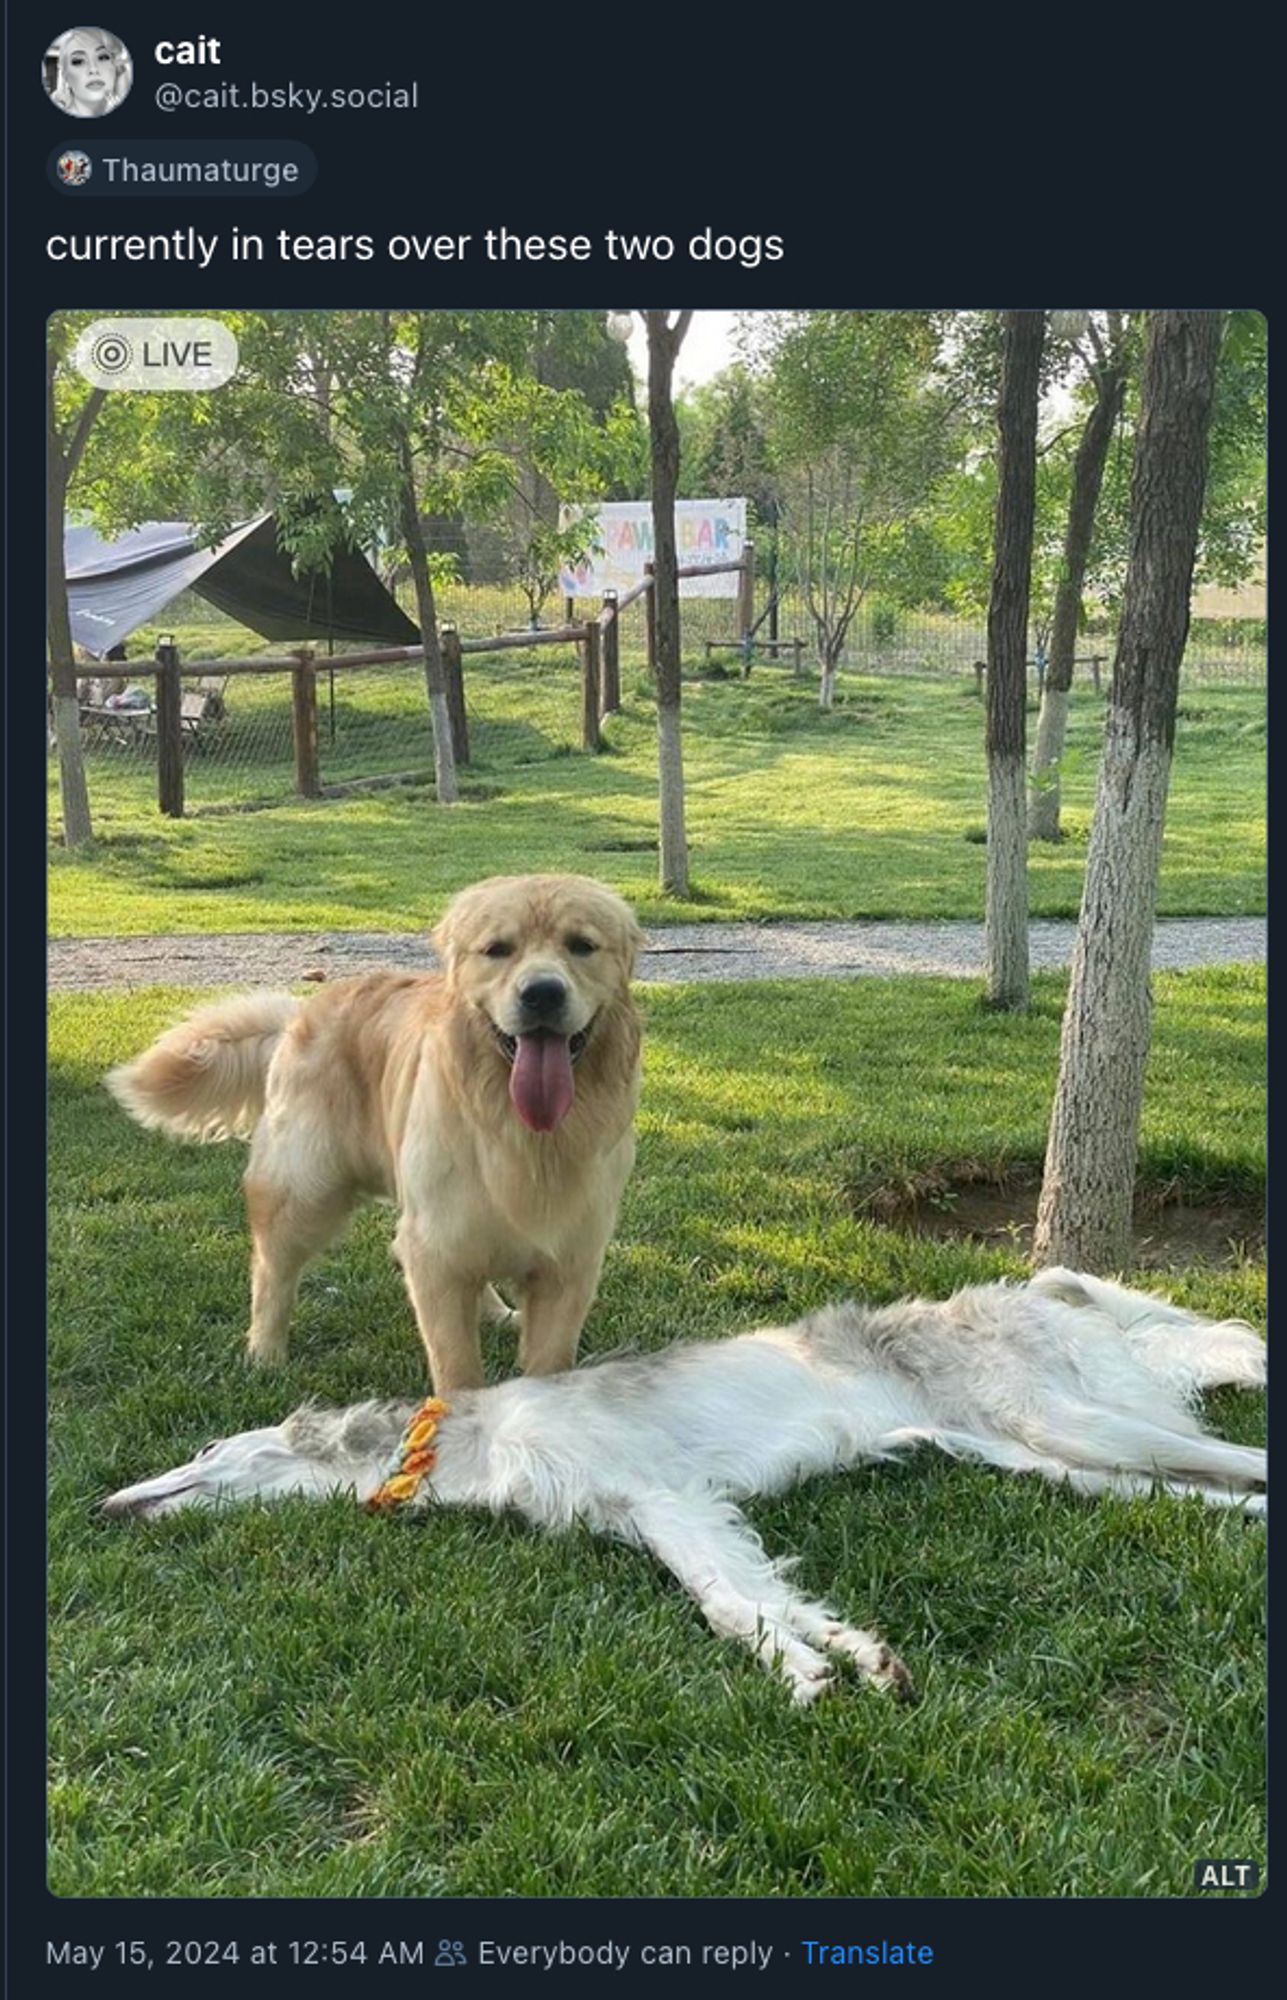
[1058, 438]
[74, 447]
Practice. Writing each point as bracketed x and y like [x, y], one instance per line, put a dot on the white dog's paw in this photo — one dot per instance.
[874, 1660]
[1234, 1352]
[497, 1311]
[893, 1676]
[806, 1689]
[807, 1673]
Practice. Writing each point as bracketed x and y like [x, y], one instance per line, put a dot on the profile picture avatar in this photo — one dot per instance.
[88, 72]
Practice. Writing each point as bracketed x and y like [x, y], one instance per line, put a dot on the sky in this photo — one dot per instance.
[707, 348]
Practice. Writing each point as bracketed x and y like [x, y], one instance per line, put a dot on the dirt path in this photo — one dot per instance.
[677, 952]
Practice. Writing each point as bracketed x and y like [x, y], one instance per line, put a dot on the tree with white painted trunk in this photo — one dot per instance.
[1106, 362]
[1087, 1191]
[1006, 925]
[665, 337]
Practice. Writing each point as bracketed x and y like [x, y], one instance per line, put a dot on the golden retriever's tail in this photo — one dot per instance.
[206, 1078]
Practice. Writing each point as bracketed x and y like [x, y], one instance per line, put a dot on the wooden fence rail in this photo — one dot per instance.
[1095, 661]
[645, 583]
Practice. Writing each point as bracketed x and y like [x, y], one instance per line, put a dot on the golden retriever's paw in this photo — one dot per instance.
[265, 1357]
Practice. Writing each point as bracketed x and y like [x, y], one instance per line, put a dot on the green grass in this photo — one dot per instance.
[305, 1701]
[874, 811]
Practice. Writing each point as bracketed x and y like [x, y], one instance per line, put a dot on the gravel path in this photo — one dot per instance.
[679, 951]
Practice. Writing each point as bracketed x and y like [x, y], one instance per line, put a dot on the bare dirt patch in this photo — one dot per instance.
[978, 1205]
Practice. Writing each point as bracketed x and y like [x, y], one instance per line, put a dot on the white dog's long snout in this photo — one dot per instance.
[261, 1465]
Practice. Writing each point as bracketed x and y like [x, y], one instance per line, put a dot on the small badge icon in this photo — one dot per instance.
[74, 169]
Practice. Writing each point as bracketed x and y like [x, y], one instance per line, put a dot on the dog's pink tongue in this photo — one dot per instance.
[540, 1082]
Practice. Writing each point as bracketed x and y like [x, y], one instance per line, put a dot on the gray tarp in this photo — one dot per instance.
[114, 587]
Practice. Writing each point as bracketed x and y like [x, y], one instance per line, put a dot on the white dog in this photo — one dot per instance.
[1068, 1376]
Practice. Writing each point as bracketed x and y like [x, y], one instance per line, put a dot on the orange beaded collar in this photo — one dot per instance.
[416, 1457]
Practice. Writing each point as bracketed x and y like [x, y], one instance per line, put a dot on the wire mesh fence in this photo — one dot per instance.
[887, 639]
[374, 721]
[236, 739]
[523, 704]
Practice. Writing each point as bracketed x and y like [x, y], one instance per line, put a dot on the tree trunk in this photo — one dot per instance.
[74, 792]
[673, 837]
[1088, 477]
[1084, 1217]
[1007, 690]
[663, 345]
[444, 759]
[826, 679]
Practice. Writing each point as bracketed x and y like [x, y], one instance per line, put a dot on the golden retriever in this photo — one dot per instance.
[493, 1102]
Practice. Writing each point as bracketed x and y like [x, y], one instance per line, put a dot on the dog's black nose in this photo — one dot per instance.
[543, 998]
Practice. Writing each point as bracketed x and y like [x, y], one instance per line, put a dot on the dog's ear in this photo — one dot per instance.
[451, 933]
[636, 938]
[443, 936]
[630, 932]
[619, 921]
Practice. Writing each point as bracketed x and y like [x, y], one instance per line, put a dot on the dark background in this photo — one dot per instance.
[937, 168]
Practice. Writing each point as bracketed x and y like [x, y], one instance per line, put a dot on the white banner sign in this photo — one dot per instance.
[706, 531]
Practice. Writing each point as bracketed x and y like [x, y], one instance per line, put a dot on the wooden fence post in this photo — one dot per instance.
[746, 595]
[610, 693]
[650, 616]
[590, 737]
[169, 731]
[453, 669]
[308, 778]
